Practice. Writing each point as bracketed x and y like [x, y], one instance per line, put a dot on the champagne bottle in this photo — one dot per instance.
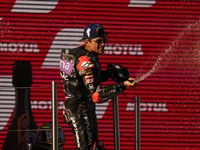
[23, 122]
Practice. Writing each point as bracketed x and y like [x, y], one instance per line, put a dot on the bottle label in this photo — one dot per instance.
[23, 130]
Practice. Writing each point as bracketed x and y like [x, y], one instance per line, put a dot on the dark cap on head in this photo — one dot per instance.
[92, 31]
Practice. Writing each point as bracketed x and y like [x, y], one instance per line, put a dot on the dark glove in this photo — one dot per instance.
[118, 73]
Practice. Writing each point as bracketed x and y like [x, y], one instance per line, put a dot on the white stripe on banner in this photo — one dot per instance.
[141, 3]
[67, 38]
[34, 6]
[7, 99]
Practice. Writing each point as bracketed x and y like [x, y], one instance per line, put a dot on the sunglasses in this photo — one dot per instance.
[101, 40]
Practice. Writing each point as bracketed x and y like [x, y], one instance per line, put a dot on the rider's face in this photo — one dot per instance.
[96, 45]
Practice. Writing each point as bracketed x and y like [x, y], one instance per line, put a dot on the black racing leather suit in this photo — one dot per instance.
[81, 76]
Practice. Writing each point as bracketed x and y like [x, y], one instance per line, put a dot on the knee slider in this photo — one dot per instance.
[66, 115]
[98, 145]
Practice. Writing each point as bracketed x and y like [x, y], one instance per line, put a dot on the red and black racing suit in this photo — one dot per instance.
[81, 76]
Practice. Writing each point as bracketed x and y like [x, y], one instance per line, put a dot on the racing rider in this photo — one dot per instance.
[81, 76]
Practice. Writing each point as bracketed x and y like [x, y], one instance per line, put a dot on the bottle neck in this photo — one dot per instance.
[22, 102]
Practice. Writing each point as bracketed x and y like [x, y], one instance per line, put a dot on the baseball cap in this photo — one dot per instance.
[92, 31]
